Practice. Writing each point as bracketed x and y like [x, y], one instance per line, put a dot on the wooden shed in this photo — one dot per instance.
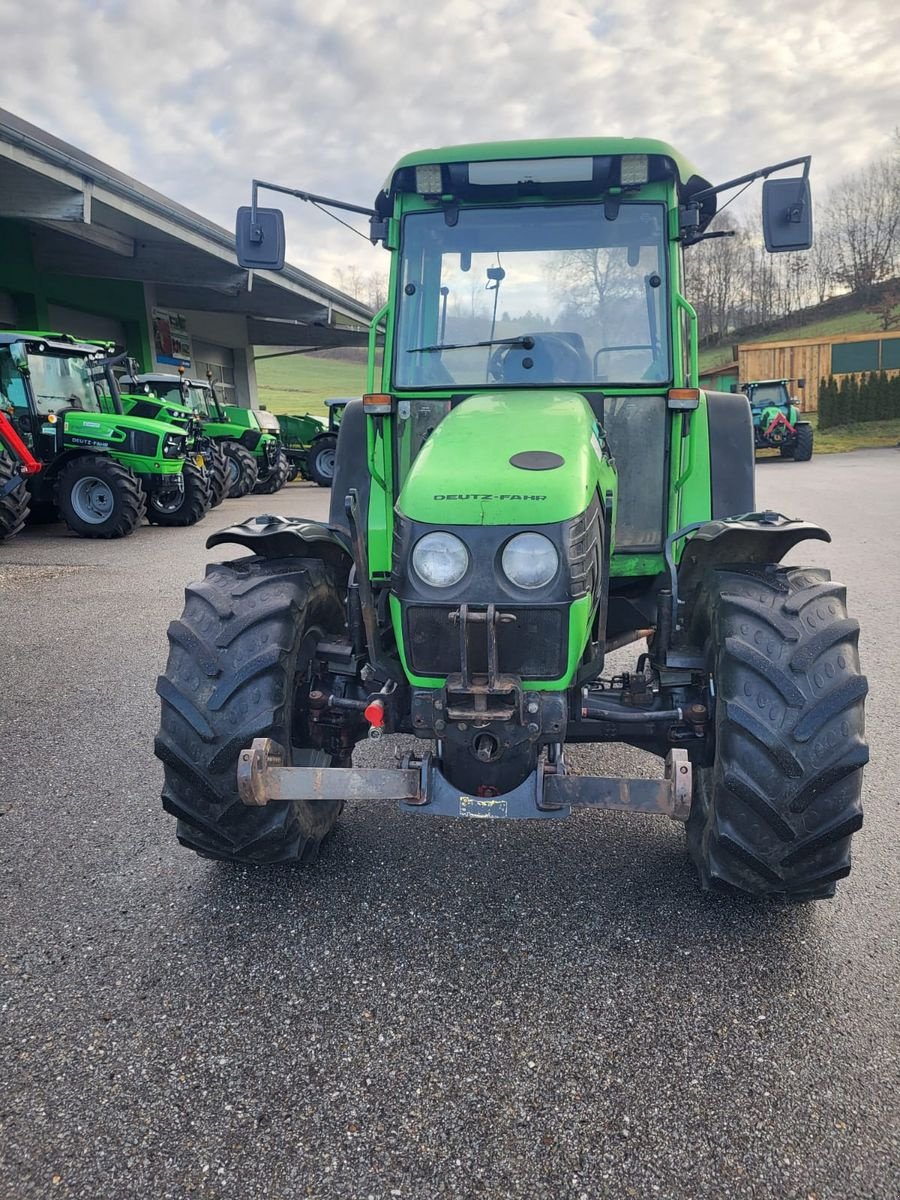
[814, 359]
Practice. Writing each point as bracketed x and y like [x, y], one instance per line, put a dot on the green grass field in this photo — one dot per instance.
[301, 382]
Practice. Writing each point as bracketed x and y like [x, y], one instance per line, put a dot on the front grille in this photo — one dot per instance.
[534, 646]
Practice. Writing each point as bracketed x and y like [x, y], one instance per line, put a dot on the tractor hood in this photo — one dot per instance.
[95, 424]
[507, 458]
[151, 408]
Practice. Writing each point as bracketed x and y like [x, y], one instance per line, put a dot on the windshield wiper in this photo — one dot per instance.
[524, 343]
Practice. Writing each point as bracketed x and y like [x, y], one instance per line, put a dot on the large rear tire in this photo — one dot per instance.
[181, 508]
[775, 812]
[276, 478]
[241, 468]
[14, 506]
[238, 669]
[99, 498]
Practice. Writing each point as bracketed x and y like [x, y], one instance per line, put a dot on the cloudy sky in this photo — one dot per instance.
[196, 97]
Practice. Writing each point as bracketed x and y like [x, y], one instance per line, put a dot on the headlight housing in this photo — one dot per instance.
[173, 445]
[440, 559]
[529, 560]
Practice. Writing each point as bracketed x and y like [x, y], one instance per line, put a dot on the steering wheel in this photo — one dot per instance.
[552, 360]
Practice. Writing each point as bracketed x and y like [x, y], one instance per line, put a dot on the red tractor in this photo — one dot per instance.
[16, 464]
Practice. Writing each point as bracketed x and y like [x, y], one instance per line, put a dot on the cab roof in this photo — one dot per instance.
[55, 341]
[687, 177]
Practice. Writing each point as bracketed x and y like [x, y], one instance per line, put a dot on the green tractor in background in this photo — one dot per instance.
[205, 455]
[310, 444]
[103, 471]
[248, 438]
[776, 419]
[533, 482]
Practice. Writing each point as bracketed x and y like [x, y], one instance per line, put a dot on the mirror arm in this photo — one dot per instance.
[762, 173]
[256, 231]
[692, 239]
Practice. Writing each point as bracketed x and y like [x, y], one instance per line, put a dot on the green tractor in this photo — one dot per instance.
[776, 422]
[204, 454]
[310, 444]
[535, 481]
[253, 458]
[103, 471]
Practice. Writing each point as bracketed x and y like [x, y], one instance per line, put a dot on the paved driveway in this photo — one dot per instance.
[436, 1009]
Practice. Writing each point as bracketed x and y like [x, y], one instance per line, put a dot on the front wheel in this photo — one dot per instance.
[99, 498]
[181, 507]
[320, 460]
[276, 478]
[239, 668]
[242, 470]
[803, 446]
[216, 474]
[775, 812]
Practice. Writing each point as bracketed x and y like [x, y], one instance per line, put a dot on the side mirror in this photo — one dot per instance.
[19, 355]
[787, 214]
[260, 245]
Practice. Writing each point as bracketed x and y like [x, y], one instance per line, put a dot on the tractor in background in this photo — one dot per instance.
[310, 444]
[776, 419]
[253, 458]
[17, 463]
[102, 470]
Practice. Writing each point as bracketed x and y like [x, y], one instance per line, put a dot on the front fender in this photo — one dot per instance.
[288, 537]
[760, 537]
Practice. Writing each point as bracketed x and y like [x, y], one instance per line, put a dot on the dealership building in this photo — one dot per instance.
[90, 251]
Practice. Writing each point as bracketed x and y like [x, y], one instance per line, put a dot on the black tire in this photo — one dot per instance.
[112, 487]
[803, 446]
[276, 478]
[181, 508]
[775, 812]
[241, 469]
[293, 470]
[235, 672]
[320, 460]
[216, 475]
[14, 506]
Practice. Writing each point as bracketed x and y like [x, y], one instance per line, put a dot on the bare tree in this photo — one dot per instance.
[863, 212]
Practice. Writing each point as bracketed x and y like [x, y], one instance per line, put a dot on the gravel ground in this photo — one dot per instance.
[436, 1008]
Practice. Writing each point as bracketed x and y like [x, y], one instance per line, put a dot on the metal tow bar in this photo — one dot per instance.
[263, 778]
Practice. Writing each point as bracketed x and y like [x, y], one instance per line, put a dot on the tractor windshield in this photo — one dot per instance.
[533, 296]
[191, 395]
[62, 381]
[769, 393]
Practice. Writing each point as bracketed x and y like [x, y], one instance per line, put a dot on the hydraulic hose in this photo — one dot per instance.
[592, 710]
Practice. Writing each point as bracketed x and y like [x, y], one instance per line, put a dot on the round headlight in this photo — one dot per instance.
[529, 560]
[440, 559]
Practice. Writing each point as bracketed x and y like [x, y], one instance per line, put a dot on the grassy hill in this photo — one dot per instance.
[843, 314]
[300, 383]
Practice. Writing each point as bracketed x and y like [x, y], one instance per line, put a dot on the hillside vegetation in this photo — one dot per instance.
[808, 323]
[300, 383]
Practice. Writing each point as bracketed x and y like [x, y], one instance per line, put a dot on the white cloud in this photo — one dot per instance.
[195, 99]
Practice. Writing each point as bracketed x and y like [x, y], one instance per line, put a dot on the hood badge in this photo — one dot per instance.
[537, 460]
